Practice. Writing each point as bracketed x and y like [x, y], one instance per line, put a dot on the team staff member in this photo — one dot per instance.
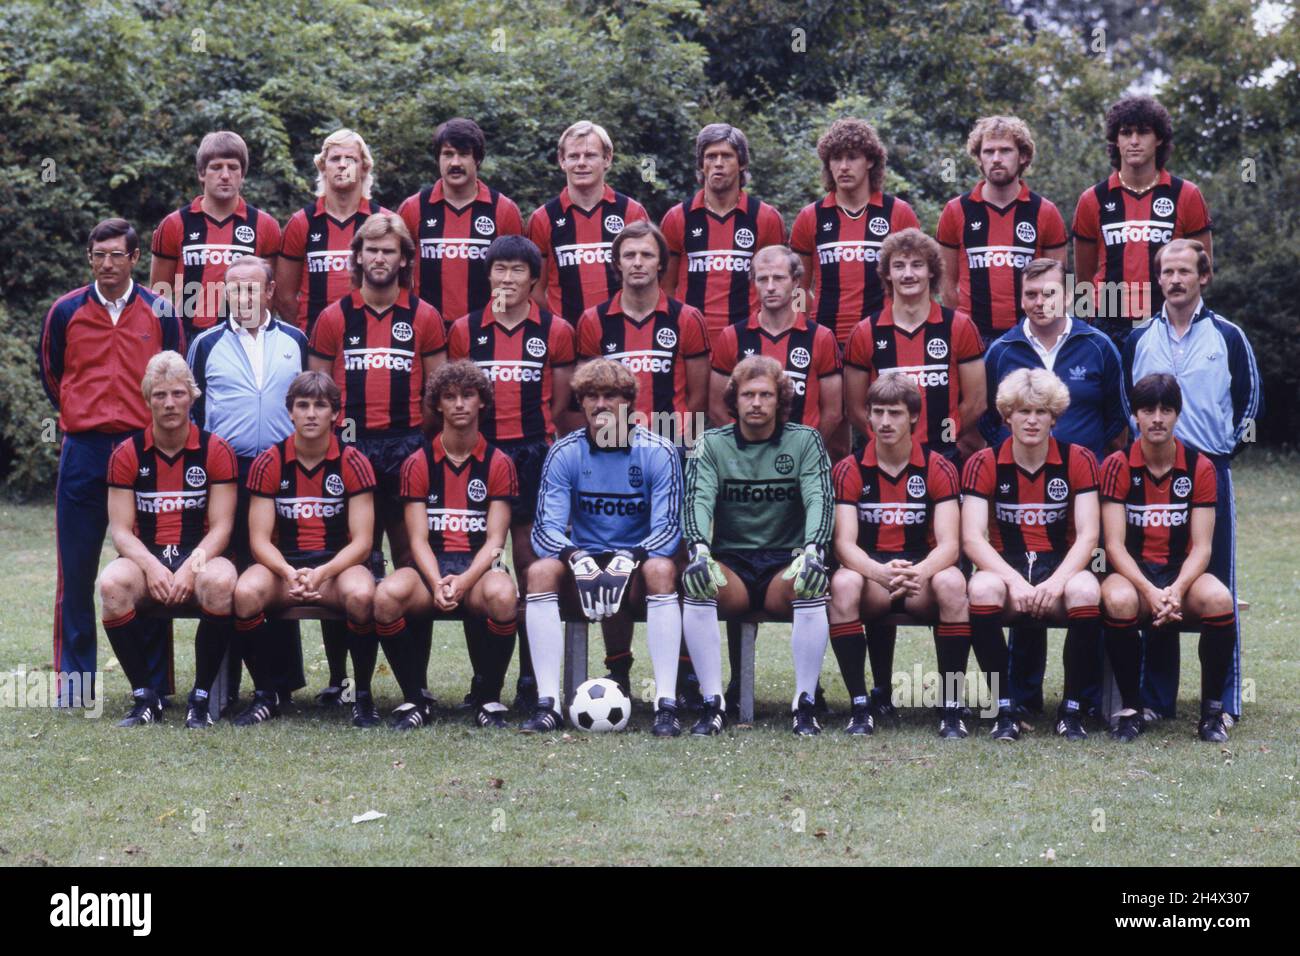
[992, 232]
[193, 245]
[310, 527]
[1157, 513]
[805, 350]
[94, 347]
[575, 231]
[527, 352]
[243, 368]
[1223, 397]
[171, 505]
[713, 237]
[1123, 221]
[839, 238]
[1029, 523]
[455, 220]
[1084, 358]
[319, 236]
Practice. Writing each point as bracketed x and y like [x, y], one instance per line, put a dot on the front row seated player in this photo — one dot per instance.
[310, 521]
[757, 491]
[897, 539]
[1033, 551]
[171, 507]
[1158, 515]
[610, 504]
[458, 490]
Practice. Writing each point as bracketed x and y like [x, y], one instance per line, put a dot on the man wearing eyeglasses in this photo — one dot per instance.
[94, 347]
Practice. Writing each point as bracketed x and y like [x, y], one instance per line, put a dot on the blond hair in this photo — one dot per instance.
[1010, 127]
[1032, 388]
[586, 128]
[164, 367]
[345, 137]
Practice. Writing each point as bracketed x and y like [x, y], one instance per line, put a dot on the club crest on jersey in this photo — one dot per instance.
[799, 357]
[403, 332]
[744, 238]
[1057, 489]
[613, 224]
[878, 225]
[634, 476]
[916, 486]
[477, 491]
[535, 347]
[1026, 232]
[1163, 207]
[195, 477]
[334, 484]
[1182, 486]
[666, 338]
[784, 464]
[936, 348]
[244, 233]
[484, 225]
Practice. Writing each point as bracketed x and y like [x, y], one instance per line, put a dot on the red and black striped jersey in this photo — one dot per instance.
[202, 248]
[311, 506]
[379, 358]
[520, 362]
[845, 253]
[456, 497]
[993, 247]
[324, 244]
[929, 355]
[578, 243]
[895, 512]
[171, 494]
[1158, 511]
[1031, 512]
[654, 350]
[807, 352]
[713, 272]
[1129, 230]
[452, 274]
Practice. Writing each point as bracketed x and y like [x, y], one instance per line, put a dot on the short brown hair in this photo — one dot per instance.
[314, 385]
[1042, 266]
[895, 388]
[1012, 127]
[722, 133]
[604, 375]
[852, 136]
[111, 229]
[911, 240]
[1180, 245]
[462, 375]
[639, 230]
[222, 144]
[378, 225]
[792, 260]
[760, 366]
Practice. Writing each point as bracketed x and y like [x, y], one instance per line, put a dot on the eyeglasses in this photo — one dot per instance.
[115, 256]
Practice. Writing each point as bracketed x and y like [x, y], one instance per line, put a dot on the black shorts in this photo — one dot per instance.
[1161, 575]
[386, 452]
[172, 556]
[1034, 566]
[756, 569]
[884, 557]
[309, 559]
[528, 455]
[454, 562]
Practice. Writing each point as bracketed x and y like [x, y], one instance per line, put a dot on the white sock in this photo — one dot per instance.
[808, 639]
[700, 625]
[546, 641]
[663, 628]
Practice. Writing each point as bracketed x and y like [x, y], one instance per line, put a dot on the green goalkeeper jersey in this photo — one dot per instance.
[746, 496]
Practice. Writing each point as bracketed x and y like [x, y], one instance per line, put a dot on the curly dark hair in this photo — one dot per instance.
[760, 366]
[462, 374]
[852, 135]
[1139, 111]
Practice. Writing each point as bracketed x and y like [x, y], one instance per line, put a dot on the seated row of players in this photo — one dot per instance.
[611, 502]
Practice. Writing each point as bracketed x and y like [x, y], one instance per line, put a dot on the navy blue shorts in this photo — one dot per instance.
[1034, 566]
[170, 555]
[529, 456]
[386, 452]
[756, 569]
[309, 559]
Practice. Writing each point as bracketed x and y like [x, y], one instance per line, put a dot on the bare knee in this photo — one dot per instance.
[545, 575]
[949, 591]
[846, 593]
[660, 575]
[499, 596]
[1082, 590]
[986, 589]
[1120, 598]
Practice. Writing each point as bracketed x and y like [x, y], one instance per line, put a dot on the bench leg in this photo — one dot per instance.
[575, 660]
[748, 634]
[220, 687]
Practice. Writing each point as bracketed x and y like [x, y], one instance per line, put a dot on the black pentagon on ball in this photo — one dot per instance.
[596, 691]
[615, 715]
[585, 721]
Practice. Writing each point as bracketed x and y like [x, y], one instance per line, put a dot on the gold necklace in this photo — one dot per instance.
[1135, 189]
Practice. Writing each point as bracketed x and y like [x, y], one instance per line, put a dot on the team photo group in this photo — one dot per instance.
[852, 424]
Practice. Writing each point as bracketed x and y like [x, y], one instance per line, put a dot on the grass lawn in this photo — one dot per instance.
[81, 792]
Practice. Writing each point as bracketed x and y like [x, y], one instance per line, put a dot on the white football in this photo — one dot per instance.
[600, 705]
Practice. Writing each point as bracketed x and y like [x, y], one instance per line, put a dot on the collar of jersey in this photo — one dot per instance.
[800, 323]
[875, 199]
[742, 442]
[437, 195]
[440, 452]
[566, 201]
[332, 452]
[241, 210]
[977, 194]
[1137, 460]
[616, 306]
[742, 203]
[1007, 457]
[887, 314]
[870, 459]
[534, 316]
[191, 440]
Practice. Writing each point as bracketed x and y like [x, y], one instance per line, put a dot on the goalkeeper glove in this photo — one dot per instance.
[809, 572]
[613, 580]
[703, 576]
[586, 575]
